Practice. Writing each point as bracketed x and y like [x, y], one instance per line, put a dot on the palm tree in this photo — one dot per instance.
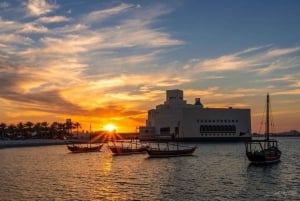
[76, 125]
[20, 127]
[62, 128]
[45, 128]
[69, 127]
[2, 127]
[42, 129]
[28, 127]
[56, 130]
[37, 128]
[11, 131]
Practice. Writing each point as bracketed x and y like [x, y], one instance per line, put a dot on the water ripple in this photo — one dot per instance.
[216, 172]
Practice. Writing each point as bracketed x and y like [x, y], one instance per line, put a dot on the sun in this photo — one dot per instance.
[110, 127]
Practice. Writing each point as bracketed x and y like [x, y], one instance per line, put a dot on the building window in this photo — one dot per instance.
[165, 130]
[217, 129]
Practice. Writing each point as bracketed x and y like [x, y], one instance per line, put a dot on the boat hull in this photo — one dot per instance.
[257, 158]
[79, 149]
[116, 150]
[263, 151]
[157, 153]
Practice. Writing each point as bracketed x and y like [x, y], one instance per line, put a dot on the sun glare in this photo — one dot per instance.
[110, 127]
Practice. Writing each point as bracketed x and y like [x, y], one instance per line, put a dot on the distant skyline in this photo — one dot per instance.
[109, 62]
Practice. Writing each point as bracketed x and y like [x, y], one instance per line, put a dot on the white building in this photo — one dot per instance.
[192, 122]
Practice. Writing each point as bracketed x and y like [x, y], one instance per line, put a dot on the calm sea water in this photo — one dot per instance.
[216, 172]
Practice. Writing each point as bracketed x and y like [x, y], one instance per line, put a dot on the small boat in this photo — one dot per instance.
[170, 150]
[79, 148]
[264, 151]
[125, 147]
[83, 149]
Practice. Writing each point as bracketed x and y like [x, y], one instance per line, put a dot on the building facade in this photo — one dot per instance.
[176, 119]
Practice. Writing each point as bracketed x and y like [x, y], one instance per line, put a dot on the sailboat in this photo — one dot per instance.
[125, 147]
[84, 149]
[165, 150]
[263, 151]
[170, 150]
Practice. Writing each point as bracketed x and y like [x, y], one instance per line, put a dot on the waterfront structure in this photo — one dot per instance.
[176, 119]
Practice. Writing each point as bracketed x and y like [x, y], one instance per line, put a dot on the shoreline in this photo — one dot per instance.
[30, 143]
[47, 142]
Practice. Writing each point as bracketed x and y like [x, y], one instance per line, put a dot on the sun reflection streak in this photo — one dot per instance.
[107, 165]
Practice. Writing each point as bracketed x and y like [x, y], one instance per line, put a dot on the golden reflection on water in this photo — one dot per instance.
[107, 165]
[52, 173]
[104, 188]
[118, 177]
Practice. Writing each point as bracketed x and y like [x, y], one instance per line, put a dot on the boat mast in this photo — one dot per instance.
[90, 135]
[268, 118]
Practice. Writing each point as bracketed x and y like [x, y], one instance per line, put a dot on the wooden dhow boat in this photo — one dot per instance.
[126, 147]
[264, 151]
[170, 150]
[83, 149]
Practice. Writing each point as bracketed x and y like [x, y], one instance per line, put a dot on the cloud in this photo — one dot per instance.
[23, 85]
[4, 4]
[15, 39]
[277, 64]
[33, 28]
[53, 19]
[40, 7]
[8, 25]
[71, 28]
[131, 35]
[257, 59]
[223, 63]
[287, 92]
[100, 15]
[281, 52]
[73, 43]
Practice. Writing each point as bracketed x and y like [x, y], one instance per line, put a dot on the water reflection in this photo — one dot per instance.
[216, 172]
[107, 165]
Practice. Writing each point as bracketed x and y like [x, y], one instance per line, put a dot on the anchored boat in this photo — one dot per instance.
[83, 149]
[80, 148]
[170, 150]
[264, 151]
[126, 147]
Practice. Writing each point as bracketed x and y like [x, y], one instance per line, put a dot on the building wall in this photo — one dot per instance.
[189, 121]
[176, 118]
[216, 122]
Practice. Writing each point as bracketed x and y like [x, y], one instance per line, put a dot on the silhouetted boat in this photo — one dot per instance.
[125, 147]
[82, 149]
[263, 151]
[170, 150]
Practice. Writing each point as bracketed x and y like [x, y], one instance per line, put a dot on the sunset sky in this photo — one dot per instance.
[108, 62]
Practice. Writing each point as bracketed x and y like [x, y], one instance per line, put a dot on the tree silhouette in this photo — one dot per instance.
[2, 128]
[38, 130]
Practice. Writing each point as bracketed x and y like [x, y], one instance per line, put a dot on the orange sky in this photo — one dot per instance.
[128, 114]
[110, 62]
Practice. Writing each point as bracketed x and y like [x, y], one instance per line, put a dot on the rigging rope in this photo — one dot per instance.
[263, 122]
